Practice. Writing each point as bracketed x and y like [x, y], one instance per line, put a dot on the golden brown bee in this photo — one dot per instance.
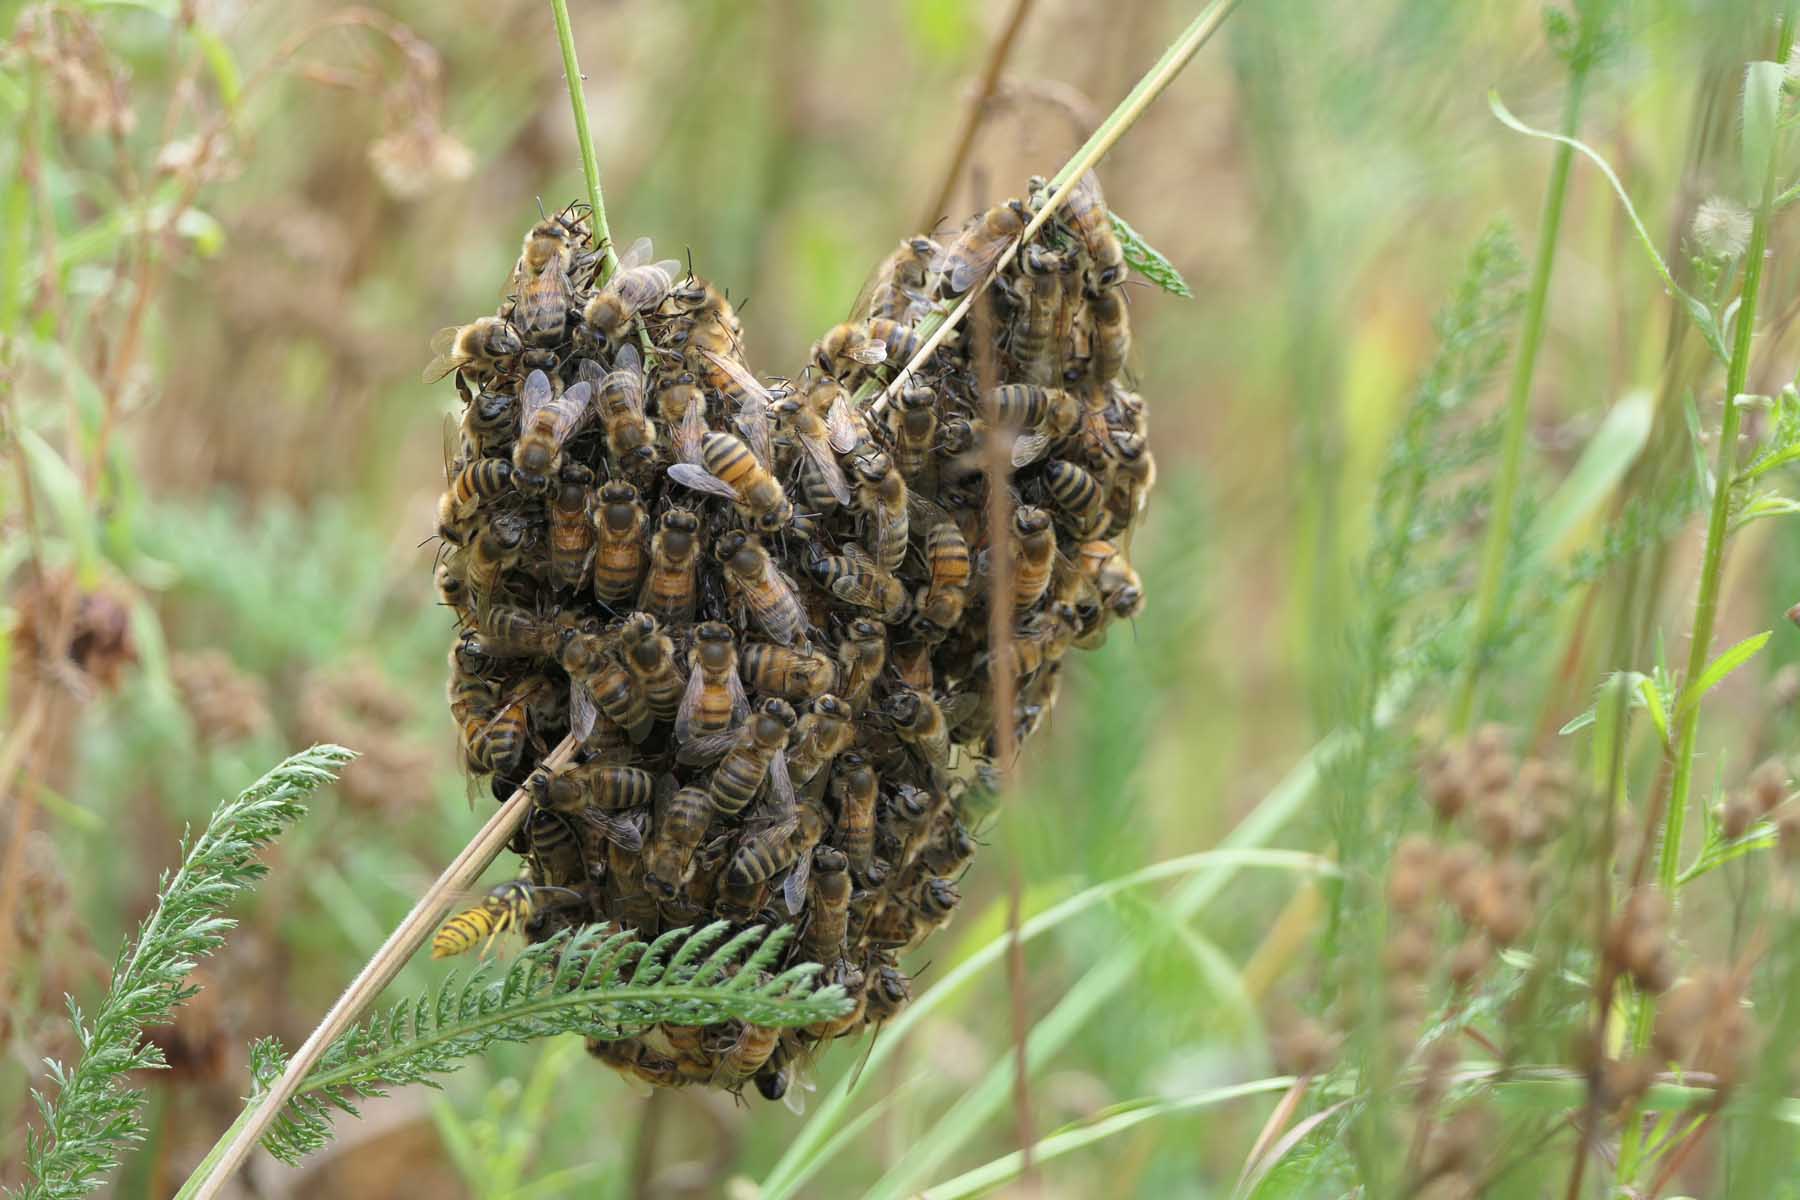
[1121, 591]
[797, 673]
[752, 754]
[1131, 483]
[480, 350]
[472, 695]
[1044, 414]
[747, 1052]
[847, 350]
[598, 794]
[900, 291]
[619, 520]
[905, 821]
[941, 602]
[571, 531]
[507, 906]
[715, 698]
[541, 283]
[630, 437]
[679, 828]
[728, 469]
[638, 286]
[881, 496]
[712, 354]
[1077, 497]
[670, 588]
[982, 243]
[854, 578]
[553, 846]
[812, 431]
[765, 852]
[920, 723]
[453, 588]
[854, 786]
[912, 426]
[491, 423]
[492, 552]
[950, 851]
[1031, 339]
[1112, 332]
[1086, 211]
[1034, 554]
[889, 991]
[830, 915]
[549, 421]
[822, 734]
[508, 631]
[494, 745]
[764, 588]
[600, 679]
[682, 405]
[483, 479]
[650, 656]
[861, 656]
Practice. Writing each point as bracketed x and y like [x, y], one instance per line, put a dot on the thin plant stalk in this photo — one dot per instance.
[235, 1145]
[978, 103]
[590, 163]
[1518, 408]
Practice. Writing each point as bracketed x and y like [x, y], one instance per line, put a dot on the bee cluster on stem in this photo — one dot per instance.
[762, 607]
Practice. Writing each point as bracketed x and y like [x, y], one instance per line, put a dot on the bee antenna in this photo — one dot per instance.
[541, 212]
[690, 262]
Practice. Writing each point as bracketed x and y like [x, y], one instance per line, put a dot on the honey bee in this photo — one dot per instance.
[453, 588]
[830, 916]
[597, 793]
[748, 1051]
[1131, 483]
[472, 696]
[715, 698]
[619, 521]
[949, 852]
[1031, 338]
[571, 531]
[549, 421]
[680, 826]
[981, 244]
[728, 469]
[920, 723]
[638, 286]
[901, 291]
[669, 591]
[491, 422]
[753, 753]
[598, 678]
[1121, 591]
[650, 656]
[682, 405]
[854, 578]
[1112, 332]
[822, 734]
[797, 673]
[1034, 555]
[630, 437]
[847, 350]
[861, 655]
[765, 852]
[1043, 637]
[495, 745]
[1044, 414]
[507, 906]
[553, 847]
[889, 992]
[854, 786]
[905, 821]
[765, 590]
[1079, 501]
[481, 350]
[722, 369]
[541, 283]
[912, 425]
[820, 446]
[882, 498]
[495, 550]
[508, 631]
[940, 602]
[1085, 209]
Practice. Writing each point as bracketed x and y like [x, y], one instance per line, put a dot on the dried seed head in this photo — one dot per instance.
[1409, 951]
[1623, 1081]
[1447, 783]
[1413, 873]
[1469, 960]
[1784, 689]
[1456, 1144]
[1721, 228]
[1637, 944]
[1503, 903]
[1457, 866]
[1736, 815]
[1438, 1059]
[1496, 821]
[1768, 786]
[1787, 828]
[1680, 1015]
[1305, 1047]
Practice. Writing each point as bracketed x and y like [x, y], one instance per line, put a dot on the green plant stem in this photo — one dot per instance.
[1518, 411]
[590, 163]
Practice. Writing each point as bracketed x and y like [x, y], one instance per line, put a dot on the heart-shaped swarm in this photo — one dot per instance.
[763, 608]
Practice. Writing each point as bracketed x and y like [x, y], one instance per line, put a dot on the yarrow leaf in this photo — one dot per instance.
[1148, 261]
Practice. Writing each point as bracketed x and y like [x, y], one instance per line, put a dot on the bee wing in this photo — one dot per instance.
[794, 1099]
[870, 353]
[707, 748]
[690, 432]
[1029, 447]
[752, 421]
[624, 830]
[581, 396]
[628, 370]
[583, 712]
[793, 888]
[690, 700]
[637, 254]
[694, 476]
[820, 452]
[781, 780]
[781, 620]
[841, 425]
[740, 703]
[1086, 192]
[534, 395]
[444, 357]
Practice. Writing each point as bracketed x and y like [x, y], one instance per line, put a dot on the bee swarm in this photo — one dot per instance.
[763, 608]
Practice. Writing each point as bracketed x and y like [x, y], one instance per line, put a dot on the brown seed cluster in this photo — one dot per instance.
[763, 607]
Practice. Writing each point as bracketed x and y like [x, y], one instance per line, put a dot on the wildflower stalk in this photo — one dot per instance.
[1518, 407]
[590, 163]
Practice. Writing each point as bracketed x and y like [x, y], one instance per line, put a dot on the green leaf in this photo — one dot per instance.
[1653, 702]
[1715, 673]
[1603, 462]
[223, 65]
[1758, 122]
[63, 491]
[1148, 261]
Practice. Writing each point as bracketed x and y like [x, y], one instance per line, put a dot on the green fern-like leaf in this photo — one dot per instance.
[93, 1115]
[595, 982]
[1148, 261]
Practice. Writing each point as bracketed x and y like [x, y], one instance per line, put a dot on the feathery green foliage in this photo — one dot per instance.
[1148, 261]
[93, 1114]
[596, 983]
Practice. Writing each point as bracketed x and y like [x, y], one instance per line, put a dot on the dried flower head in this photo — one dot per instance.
[1721, 228]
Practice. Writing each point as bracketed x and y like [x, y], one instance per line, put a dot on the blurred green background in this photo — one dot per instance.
[231, 230]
